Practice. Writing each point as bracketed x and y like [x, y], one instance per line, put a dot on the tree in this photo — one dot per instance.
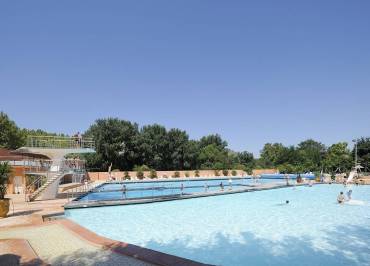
[310, 154]
[114, 143]
[212, 156]
[212, 139]
[177, 147]
[363, 152]
[275, 154]
[152, 146]
[11, 136]
[338, 158]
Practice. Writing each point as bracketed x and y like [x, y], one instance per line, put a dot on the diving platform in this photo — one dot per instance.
[56, 167]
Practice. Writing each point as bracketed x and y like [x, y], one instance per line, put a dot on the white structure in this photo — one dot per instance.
[55, 149]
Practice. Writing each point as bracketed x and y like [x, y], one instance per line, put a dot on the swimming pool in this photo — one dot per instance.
[254, 228]
[135, 190]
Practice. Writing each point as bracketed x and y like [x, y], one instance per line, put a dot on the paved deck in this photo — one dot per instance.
[57, 245]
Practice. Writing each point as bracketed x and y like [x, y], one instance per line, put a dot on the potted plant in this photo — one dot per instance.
[5, 171]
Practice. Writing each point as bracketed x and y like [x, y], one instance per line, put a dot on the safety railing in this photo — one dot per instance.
[58, 142]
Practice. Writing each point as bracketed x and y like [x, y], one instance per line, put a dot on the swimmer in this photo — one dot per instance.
[206, 187]
[222, 186]
[182, 188]
[287, 202]
[349, 194]
[341, 198]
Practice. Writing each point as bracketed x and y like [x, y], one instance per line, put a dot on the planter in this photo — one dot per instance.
[4, 207]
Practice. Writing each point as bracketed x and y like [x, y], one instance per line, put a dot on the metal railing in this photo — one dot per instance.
[36, 166]
[58, 142]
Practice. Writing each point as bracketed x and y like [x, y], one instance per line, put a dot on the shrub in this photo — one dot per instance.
[153, 174]
[187, 174]
[225, 172]
[217, 173]
[126, 175]
[233, 173]
[165, 176]
[196, 173]
[5, 171]
[142, 168]
[140, 174]
[176, 174]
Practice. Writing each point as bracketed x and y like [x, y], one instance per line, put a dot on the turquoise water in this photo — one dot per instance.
[113, 191]
[254, 228]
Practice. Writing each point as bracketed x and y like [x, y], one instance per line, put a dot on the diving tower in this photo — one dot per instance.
[51, 171]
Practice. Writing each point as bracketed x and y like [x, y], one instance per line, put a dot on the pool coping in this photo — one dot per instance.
[103, 203]
[126, 249]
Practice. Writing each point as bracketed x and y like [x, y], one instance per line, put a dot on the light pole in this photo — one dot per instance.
[355, 141]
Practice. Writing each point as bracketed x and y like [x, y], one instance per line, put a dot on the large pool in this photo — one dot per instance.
[253, 228]
[134, 190]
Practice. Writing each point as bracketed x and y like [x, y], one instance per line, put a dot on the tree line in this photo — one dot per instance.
[127, 146]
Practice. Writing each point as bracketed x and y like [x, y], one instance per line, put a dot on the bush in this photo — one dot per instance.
[217, 173]
[164, 176]
[225, 172]
[140, 174]
[187, 174]
[142, 168]
[176, 174]
[196, 173]
[234, 173]
[153, 174]
[126, 175]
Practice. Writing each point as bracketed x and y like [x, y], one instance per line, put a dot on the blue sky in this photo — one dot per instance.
[254, 72]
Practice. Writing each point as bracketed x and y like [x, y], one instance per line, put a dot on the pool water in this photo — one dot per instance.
[253, 228]
[114, 191]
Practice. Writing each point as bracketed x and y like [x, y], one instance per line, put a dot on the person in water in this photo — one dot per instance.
[349, 194]
[341, 198]
[222, 186]
[287, 202]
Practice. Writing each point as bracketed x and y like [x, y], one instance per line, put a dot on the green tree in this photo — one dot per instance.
[114, 143]
[152, 144]
[363, 152]
[212, 156]
[177, 148]
[310, 154]
[338, 158]
[11, 136]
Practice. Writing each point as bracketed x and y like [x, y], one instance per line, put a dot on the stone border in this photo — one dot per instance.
[140, 253]
[102, 203]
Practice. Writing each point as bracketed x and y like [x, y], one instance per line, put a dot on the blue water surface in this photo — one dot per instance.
[253, 228]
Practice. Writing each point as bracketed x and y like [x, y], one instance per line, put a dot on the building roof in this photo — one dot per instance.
[10, 155]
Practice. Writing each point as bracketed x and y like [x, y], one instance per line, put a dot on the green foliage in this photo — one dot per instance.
[234, 173]
[126, 175]
[217, 173]
[225, 172]
[363, 153]
[142, 168]
[11, 136]
[176, 174]
[153, 174]
[140, 174]
[5, 171]
[196, 173]
[338, 158]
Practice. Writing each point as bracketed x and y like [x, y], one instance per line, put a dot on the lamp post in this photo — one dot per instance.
[355, 141]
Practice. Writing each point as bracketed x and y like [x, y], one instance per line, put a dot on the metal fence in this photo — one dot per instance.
[57, 142]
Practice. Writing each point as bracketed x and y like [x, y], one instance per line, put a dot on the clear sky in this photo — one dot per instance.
[255, 72]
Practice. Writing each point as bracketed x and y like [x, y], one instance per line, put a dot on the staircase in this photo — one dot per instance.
[47, 185]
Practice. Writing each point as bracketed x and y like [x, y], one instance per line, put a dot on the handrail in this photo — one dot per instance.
[59, 142]
[36, 184]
